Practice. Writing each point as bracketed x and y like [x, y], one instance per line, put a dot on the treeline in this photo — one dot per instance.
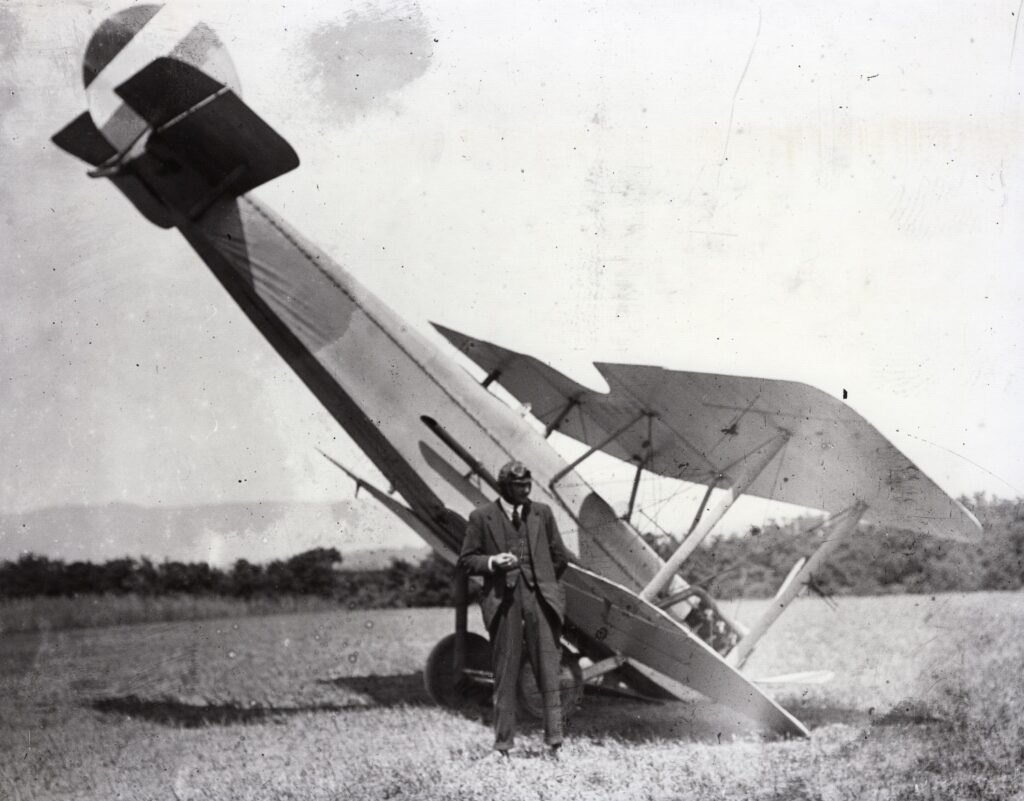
[871, 562]
[312, 573]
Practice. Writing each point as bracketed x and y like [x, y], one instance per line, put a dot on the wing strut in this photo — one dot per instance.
[845, 523]
[600, 446]
[752, 466]
[704, 503]
[641, 464]
[492, 376]
[628, 514]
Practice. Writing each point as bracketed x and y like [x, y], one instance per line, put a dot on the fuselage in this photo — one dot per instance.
[390, 387]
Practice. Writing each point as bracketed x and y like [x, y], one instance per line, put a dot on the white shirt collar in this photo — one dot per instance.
[509, 508]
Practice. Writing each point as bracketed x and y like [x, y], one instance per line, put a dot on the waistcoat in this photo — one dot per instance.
[518, 543]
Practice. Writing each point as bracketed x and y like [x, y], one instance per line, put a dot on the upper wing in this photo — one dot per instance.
[702, 426]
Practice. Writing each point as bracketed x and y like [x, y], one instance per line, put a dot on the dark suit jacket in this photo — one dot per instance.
[487, 535]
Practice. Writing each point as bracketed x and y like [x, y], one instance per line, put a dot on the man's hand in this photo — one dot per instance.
[504, 561]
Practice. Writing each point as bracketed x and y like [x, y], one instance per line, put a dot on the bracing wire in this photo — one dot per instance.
[775, 483]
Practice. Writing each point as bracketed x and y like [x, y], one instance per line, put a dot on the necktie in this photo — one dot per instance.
[516, 519]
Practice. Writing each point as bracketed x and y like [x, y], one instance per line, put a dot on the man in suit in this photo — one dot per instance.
[515, 545]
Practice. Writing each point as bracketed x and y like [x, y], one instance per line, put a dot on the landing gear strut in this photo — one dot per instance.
[459, 671]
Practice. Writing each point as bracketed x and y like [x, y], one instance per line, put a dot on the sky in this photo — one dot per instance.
[814, 192]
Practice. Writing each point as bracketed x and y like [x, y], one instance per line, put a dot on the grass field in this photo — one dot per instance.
[927, 703]
[41, 613]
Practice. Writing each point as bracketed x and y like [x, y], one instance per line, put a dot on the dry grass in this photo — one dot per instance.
[93, 611]
[927, 703]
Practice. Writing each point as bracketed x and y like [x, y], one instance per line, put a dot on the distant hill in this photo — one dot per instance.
[218, 534]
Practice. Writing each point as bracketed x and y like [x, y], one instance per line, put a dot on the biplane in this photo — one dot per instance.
[166, 124]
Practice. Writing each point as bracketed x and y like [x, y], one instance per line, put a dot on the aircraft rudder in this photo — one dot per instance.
[165, 121]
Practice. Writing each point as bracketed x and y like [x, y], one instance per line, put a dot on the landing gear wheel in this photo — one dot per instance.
[530, 701]
[446, 688]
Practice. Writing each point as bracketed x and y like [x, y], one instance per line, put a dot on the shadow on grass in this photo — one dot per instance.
[703, 721]
[907, 712]
[191, 716]
[814, 715]
[599, 718]
[360, 693]
[603, 717]
[384, 691]
[637, 722]
[408, 690]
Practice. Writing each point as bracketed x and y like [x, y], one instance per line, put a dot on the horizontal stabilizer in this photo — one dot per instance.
[82, 139]
[223, 148]
[166, 88]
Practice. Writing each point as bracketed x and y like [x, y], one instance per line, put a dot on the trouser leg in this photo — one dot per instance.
[507, 647]
[542, 635]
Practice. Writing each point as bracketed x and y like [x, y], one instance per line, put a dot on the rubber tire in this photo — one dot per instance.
[439, 674]
[529, 697]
